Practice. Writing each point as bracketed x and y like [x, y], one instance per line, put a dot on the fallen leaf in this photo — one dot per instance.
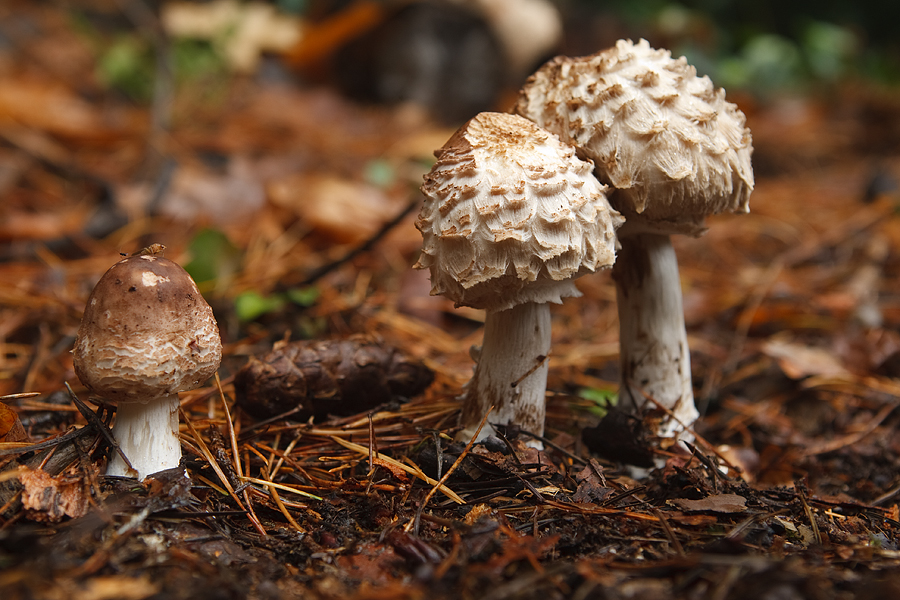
[723, 503]
[590, 485]
[693, 520]
[117, 588]
[347, 211]
[201, 194]
[11, 429]
[479, 511]
[799, 361]
[55, 109]
[745, 459]
[49, 498]
[395, 470]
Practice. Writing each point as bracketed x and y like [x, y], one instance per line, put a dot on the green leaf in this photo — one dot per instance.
[127, 65]
[252, 305]
[304, 297]
[602, 399]
[829, 49]
[196, 60]
[213, 256]
[380, 173]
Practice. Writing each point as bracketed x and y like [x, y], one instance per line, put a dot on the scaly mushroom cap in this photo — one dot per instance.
[511, 215]
[146, 332]
[666, 140]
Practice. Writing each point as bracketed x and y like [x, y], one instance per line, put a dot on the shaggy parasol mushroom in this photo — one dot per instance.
[511, 217]
[673, 151]
[146, 334]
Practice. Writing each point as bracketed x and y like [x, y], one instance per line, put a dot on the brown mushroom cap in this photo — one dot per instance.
[146, 332]
[665, 139]
[511, 215]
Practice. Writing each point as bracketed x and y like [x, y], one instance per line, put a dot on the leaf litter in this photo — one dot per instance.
[792, 490]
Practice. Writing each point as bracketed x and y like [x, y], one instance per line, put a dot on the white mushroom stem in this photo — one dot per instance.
[511, 373]
[148, 435]
[654, 351]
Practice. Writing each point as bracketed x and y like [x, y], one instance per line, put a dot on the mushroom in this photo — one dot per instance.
[146, 334]
[673, 151]
[511, 217]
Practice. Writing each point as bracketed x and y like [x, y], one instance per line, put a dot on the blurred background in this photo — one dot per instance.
[272, 145]
[455, 57]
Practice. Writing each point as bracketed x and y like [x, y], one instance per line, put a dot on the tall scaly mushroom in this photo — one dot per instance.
[511, 217]
[146, 334]
[673, 151]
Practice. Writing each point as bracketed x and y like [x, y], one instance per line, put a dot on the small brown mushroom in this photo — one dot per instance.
[146, 334]
[673, 151]
[511, 218]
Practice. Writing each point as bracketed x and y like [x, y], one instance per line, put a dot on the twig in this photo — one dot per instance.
[849, 440]
[363, 247]
[287, 515]
[690, 430]
[97, 424]
[539, 361]
[885, 497]
[509, 446]
[670, 533]
[555, 446]
[373, 446]
[439, 452]
[395, 463]
[287, 451]
[231, 434]
[19, 396]
[145, 20]
[812, 518]
[219, 473]
[269, 421]
[415, 521]
[280, 486]
[21, 447]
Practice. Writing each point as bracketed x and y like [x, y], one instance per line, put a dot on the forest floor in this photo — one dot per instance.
[793, 315]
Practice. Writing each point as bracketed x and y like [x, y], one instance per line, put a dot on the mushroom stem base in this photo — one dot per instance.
[148, 435]
[655, 357]
[511, 374]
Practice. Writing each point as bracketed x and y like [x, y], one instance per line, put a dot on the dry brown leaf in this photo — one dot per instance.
[723, 503]
[11, 429]
[395, 470]
[591, 487]
[479, 511]
[693, 520]
[116, 588]
[53, 108]
[49, 498]
[799, 361]
[347, 211]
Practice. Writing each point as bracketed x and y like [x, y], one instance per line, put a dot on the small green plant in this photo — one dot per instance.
[126, 64]
[603, 399]
[196, 60]
[214, 258]
[251, 305]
